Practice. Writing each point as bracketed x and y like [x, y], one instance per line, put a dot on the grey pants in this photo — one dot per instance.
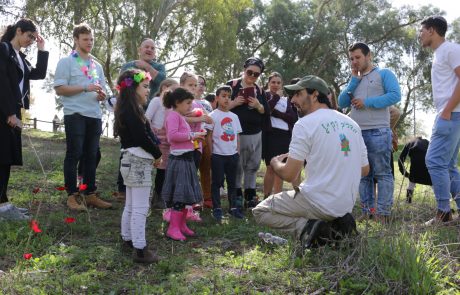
[287, 211]
[250, 156]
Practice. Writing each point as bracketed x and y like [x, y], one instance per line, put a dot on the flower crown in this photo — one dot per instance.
[128, 81]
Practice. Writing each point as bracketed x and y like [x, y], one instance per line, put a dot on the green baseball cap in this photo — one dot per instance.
[310, 82]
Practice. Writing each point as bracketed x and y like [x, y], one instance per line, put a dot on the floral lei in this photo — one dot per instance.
[138, 78]
[88, 70]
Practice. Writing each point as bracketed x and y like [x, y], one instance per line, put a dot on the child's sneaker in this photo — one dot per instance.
[236, 212]
[193, 215]
[217, 214]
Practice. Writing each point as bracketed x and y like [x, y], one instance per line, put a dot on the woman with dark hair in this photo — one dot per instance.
[250, 105]
[15, 73]
[277, 131]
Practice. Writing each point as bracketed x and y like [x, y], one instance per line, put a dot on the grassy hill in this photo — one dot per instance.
[85, 257]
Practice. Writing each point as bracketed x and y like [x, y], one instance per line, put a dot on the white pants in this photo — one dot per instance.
[135, 215]
[287, 211]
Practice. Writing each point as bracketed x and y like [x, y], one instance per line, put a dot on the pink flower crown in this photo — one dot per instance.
[128, 82]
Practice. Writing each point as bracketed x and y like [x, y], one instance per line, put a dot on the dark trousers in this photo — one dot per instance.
[82, 142]
[159, 180]
[223, 167]
[197, 158]
[4, 179]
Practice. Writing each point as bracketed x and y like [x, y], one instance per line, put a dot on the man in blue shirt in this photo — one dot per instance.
[370, 93]
[79, 80]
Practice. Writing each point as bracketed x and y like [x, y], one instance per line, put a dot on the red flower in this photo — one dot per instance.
[36, 190]
[34, 226]
[83, 187]
[27, 256]
[69, 220]
[61, 188]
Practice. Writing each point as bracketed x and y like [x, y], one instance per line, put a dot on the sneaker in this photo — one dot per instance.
[94, 201]
[193, 215]
[236, 212]
[10, 212]
[76, 202]
[217, 214]
[440, 218]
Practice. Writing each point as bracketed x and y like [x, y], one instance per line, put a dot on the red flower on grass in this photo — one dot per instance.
[34, 226]
[36, 190]
[27, 256]
[83, 187]
[61, 188]
[69, 220]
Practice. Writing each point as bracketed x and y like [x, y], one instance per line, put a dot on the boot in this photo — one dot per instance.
[94, 201]
[409, 195]
[75, 202]
[183, 224]
[193, 215]
[174, 231]
[119, 196]
[250, 197]
[157, 201]
[441, 217]
[144, 255]
[126, 246]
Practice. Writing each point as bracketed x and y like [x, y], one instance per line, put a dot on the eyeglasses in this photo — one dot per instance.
[32, 37]
[252, 73]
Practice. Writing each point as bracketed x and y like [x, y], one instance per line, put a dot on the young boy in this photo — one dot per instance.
[224, 142]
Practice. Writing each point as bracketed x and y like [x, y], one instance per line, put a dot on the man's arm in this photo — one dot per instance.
[287, 171]
[392, 92]
[454, 100]
[344, 98]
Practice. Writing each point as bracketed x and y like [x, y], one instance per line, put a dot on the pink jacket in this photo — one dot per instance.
[178, 132]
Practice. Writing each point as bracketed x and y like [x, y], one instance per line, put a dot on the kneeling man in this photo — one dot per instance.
[333, 148]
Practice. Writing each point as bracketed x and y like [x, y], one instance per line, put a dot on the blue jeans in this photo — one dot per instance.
[224, 166]
[82, 138]
[378, 144]
[441, 161]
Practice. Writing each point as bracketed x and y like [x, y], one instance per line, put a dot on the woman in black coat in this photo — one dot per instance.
[15, 73]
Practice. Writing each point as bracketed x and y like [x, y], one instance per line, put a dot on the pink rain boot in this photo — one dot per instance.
[167, 214]
[183, 224]
[192, 215]
[174, 226]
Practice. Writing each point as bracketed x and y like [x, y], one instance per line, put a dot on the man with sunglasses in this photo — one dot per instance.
[250, 105]
[370, 94]
[441, 157]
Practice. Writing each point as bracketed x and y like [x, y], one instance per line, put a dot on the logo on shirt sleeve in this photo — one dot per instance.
[344, 144]
[228, 134]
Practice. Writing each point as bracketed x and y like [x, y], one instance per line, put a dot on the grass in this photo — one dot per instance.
[85, 257]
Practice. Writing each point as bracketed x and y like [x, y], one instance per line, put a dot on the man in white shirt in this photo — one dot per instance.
[441, 157]
[332, 145]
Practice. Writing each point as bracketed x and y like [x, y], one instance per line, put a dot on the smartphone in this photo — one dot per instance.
[247, 92]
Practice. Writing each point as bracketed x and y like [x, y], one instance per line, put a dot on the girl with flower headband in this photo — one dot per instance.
[181, 186]
[139, 150]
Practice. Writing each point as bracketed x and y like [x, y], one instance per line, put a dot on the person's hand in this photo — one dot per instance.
[40, 43]
[157, 162]
[446, 115]
[143, 65]
[93, 88]
[254, 102]
[278, 159]
[14, 122]
[207, 119]
[197, 135]
[101, 95]
[357, 103]
[239, 100]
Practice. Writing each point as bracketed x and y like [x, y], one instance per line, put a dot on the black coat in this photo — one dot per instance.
[416, 150]
[11, 100]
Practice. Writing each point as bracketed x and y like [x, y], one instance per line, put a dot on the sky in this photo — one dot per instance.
[44, 106]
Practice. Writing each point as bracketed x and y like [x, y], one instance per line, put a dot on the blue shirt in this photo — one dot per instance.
[68, 73]
[154, 83]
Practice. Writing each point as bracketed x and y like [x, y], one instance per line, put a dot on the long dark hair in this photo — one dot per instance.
[25, 24]
[127, 100]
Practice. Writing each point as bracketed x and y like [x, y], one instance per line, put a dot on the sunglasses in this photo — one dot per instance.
[252, 73]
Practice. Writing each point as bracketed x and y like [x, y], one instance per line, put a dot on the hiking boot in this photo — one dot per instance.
[236, 212]
[441, 217]
[343, 227]
[76, 202]
[315, 233]
[119, 196]
[409, 195]
[217, 214]
[94, 201]
[11, 212]
[126, 246]
[144, 255]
